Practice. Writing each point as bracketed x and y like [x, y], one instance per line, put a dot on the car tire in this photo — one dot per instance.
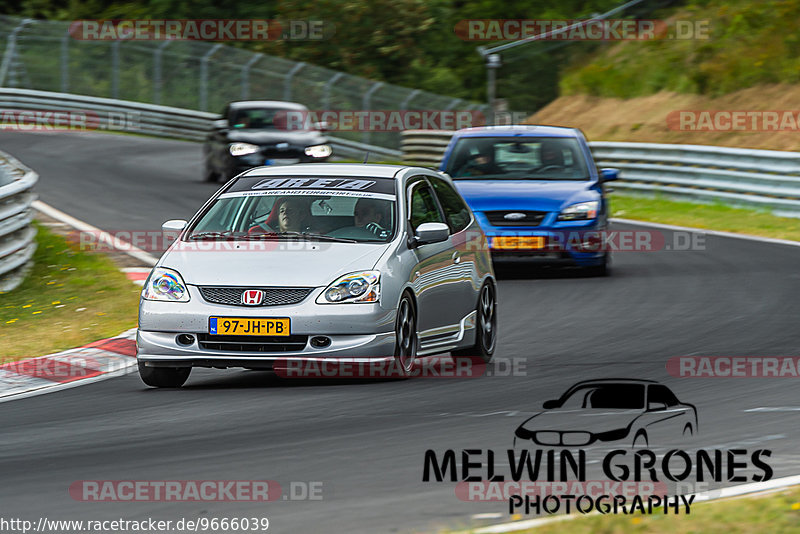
[406, 336]
[641, 436]
[164, 377]
[208, 173]
[604, 269]
[486, 326]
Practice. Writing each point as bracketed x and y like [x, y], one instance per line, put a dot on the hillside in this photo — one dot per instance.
[644, 119]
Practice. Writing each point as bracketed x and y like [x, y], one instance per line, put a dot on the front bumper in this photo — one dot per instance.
[357, 332]
[578, 243]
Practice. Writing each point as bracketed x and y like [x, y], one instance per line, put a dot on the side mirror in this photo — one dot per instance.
[172, 229]
[656, 406]
[549, 405]
[431, 232]
[321, 126]
[609, 175]
[220, 124]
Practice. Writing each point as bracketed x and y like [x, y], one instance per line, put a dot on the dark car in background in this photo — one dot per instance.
[254, 133]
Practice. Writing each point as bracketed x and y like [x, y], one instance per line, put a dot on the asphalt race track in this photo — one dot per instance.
[365, 441]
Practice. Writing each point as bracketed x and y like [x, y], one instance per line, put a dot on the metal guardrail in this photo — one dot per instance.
[767, 179]
[108, 114]
[17, 243]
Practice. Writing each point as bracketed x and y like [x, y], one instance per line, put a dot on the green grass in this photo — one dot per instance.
[773, 513]
[751, 42]
[708, 216]
[68, 299]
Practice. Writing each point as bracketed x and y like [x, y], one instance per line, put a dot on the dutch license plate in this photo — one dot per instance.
[248, 326]
[518, 242]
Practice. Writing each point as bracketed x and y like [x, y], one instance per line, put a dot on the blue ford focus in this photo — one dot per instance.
[536, 193]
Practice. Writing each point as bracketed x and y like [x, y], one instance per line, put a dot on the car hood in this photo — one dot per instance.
[586, 420]
[542, 195]
[280, 263]
[268, 137]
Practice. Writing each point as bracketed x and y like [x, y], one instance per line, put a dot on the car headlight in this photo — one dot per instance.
[580, 211]
[166, 285]
[354, 287]
[242, 149]
[319, 151]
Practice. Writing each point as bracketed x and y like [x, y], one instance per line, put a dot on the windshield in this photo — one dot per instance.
[517, 158]
[317, 208]
[607, 396]
[265, 119]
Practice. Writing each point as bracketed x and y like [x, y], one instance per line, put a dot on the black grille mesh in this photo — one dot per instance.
[273, 296]
[532, 218]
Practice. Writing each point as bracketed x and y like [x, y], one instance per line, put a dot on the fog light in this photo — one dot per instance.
[319, 342]
[184, 339]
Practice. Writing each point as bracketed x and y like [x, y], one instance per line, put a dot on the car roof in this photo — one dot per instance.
[532, 130]
[373, 170]
[614, 381]
[245, 104]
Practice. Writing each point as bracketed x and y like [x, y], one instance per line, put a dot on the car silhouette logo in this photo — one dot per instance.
[282, 146]
[252, 297]
[640, 412]
[515, 216]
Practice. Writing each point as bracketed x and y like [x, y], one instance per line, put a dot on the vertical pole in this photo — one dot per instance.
[157, 82]
[115, 69]
[365, 104]
[204, 76]
[65, 64]
[287, 82]
[246, 75]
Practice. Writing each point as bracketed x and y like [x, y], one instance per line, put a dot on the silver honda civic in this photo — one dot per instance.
[320, 263]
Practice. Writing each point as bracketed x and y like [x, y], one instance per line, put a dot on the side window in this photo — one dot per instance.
[455, 211]
[658, 393]
[423, 206]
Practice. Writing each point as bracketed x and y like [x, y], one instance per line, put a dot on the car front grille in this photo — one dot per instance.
[530, 218]
[273, 296]
[252, 343]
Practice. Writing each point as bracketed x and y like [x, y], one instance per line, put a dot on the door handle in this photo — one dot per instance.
[456, 258]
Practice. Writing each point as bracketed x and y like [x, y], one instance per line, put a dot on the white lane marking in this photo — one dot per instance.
[488, 515]
[733, 491]
[127, 248]
[774, 409]
[718, 233]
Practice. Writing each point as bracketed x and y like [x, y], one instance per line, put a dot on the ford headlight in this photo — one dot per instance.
[166, 285]
[242, 149]
[579, 212]
[319, 151]
[354, 287]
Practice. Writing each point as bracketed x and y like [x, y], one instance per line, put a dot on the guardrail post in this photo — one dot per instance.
[246, 74]
[11, 49]
[287, 82]
[157, 80]
[65, 63]
[365, 104]
[204, 76]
